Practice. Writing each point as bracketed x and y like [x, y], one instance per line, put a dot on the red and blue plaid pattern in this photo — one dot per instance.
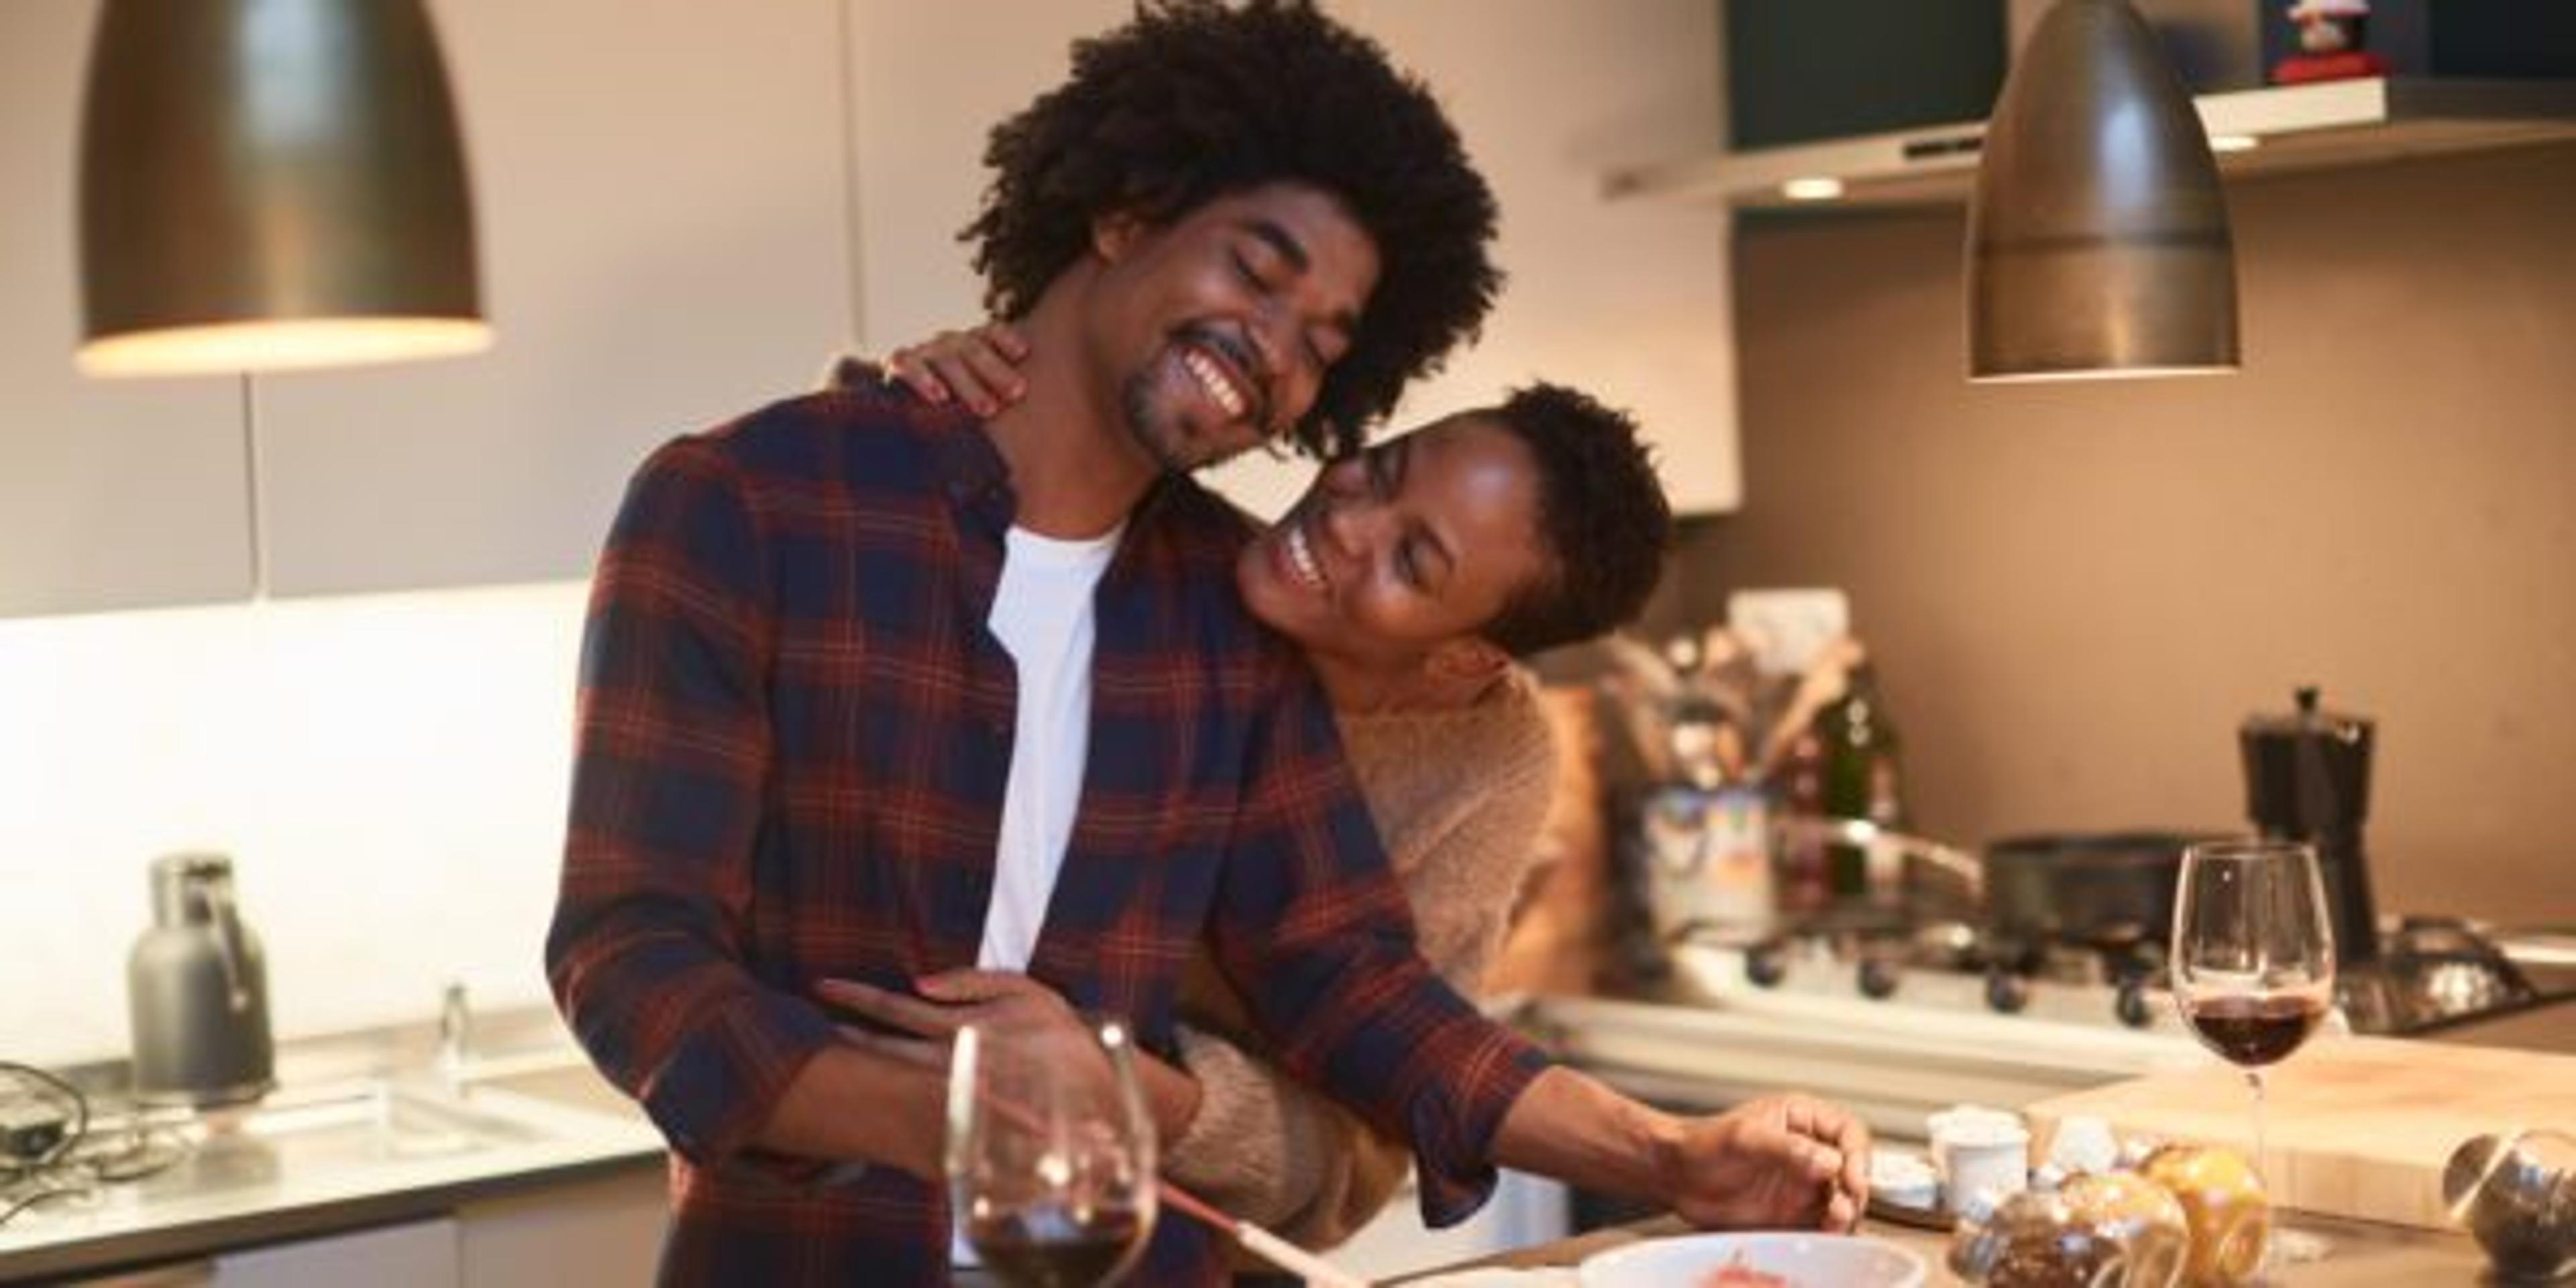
[793, 737]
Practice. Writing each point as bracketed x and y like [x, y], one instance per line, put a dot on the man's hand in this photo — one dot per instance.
[918, 1030]
[1781, 1161]
[848, 1105]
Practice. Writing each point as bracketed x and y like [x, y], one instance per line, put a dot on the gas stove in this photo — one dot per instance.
[1946, 968]
[2429, 974]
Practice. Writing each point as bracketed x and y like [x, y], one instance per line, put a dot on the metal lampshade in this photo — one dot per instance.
[2097, 239]
[271, 184]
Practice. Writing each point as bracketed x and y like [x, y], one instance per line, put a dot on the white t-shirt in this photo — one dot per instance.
[1042, 615]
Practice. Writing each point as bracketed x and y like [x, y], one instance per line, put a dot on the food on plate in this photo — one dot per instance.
[1903, 1179]
[1756, 1259]
[1736, 1274]
[2223, 1204]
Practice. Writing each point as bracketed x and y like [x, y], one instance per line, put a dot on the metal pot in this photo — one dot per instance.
[2085, 887]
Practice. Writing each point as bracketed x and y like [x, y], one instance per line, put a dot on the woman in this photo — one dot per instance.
[1413, 574]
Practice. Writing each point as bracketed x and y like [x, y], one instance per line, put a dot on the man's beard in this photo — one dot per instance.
[1142, 427]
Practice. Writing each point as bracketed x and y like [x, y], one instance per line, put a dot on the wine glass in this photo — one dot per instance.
[1050, 1151]
[2253, 955]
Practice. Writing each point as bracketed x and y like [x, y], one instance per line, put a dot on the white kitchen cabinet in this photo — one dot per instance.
[113, 494]
[659, 192]
[419, 1254]
[602, 1231]
[415, 1254]
[929, 80]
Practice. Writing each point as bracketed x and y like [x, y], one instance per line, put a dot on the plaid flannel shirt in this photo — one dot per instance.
[793, 739]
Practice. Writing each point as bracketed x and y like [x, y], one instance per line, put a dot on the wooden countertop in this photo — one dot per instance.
[2549, 1027]
[2355, 1127]
[2361, 1254]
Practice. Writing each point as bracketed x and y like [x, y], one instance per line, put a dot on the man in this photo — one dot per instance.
[854, 660]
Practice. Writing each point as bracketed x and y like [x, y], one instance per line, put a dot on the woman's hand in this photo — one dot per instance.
[979, 368]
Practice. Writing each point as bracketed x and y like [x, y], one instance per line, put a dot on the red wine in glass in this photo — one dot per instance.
[1048, 1247]
[1051, 1154]
[2253, 957]
[2253, 1031]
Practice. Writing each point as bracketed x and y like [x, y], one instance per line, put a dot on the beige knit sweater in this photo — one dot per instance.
[1458, 797]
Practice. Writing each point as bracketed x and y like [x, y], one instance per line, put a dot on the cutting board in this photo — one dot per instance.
[2353, 1126]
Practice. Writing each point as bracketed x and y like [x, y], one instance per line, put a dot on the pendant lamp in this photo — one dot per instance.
[2097, 238]
[269, 185]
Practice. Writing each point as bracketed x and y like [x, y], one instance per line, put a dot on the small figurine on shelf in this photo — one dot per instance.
[2332, 34]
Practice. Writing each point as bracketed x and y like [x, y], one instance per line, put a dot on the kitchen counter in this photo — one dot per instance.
[2549, 1027]
[2360, 1255]
[1891, 1065]
[370, 1132]
[366, 1130]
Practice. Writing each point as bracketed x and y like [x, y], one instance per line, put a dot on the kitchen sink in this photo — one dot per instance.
[332, 1128]
[322, 1134]
[378, 1118]
[565, 1081]
[339, 1144]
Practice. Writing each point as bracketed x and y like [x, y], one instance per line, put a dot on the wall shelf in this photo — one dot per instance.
[2294, 127]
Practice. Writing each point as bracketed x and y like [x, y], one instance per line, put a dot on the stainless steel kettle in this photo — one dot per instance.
[196, 985]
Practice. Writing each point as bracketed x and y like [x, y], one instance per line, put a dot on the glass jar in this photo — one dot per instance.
[2106, 1230]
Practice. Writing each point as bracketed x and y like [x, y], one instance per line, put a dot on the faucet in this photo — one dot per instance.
[455, 1029]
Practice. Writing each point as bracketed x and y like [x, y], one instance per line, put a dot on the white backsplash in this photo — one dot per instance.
[388, 772]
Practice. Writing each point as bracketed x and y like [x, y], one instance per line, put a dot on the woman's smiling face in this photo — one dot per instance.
[1415, 543]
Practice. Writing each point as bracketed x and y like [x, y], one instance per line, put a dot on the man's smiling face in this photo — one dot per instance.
[1222, 323]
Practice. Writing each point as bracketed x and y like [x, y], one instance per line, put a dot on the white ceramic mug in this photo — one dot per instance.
[1984, 1157]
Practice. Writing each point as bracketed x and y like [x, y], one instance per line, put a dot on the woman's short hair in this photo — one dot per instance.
[1603, 520]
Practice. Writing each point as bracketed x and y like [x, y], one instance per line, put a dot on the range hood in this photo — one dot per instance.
[2256, 131]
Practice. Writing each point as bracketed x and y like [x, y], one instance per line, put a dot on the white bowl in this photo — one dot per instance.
[1804, 1260]
[1497, 1278]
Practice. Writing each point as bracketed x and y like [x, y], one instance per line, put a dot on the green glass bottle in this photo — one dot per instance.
[1861, 778]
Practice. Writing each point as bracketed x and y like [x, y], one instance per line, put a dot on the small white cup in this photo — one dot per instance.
[1984, 1157]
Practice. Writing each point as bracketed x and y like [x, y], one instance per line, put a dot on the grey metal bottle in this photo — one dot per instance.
[197, 988]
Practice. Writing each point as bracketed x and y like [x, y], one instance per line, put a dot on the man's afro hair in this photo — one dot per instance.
[1195, 100]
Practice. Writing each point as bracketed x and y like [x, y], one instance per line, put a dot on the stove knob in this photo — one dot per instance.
[1877, 979]
[2130, 1004]
[1766, 966]
[2007, 992]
